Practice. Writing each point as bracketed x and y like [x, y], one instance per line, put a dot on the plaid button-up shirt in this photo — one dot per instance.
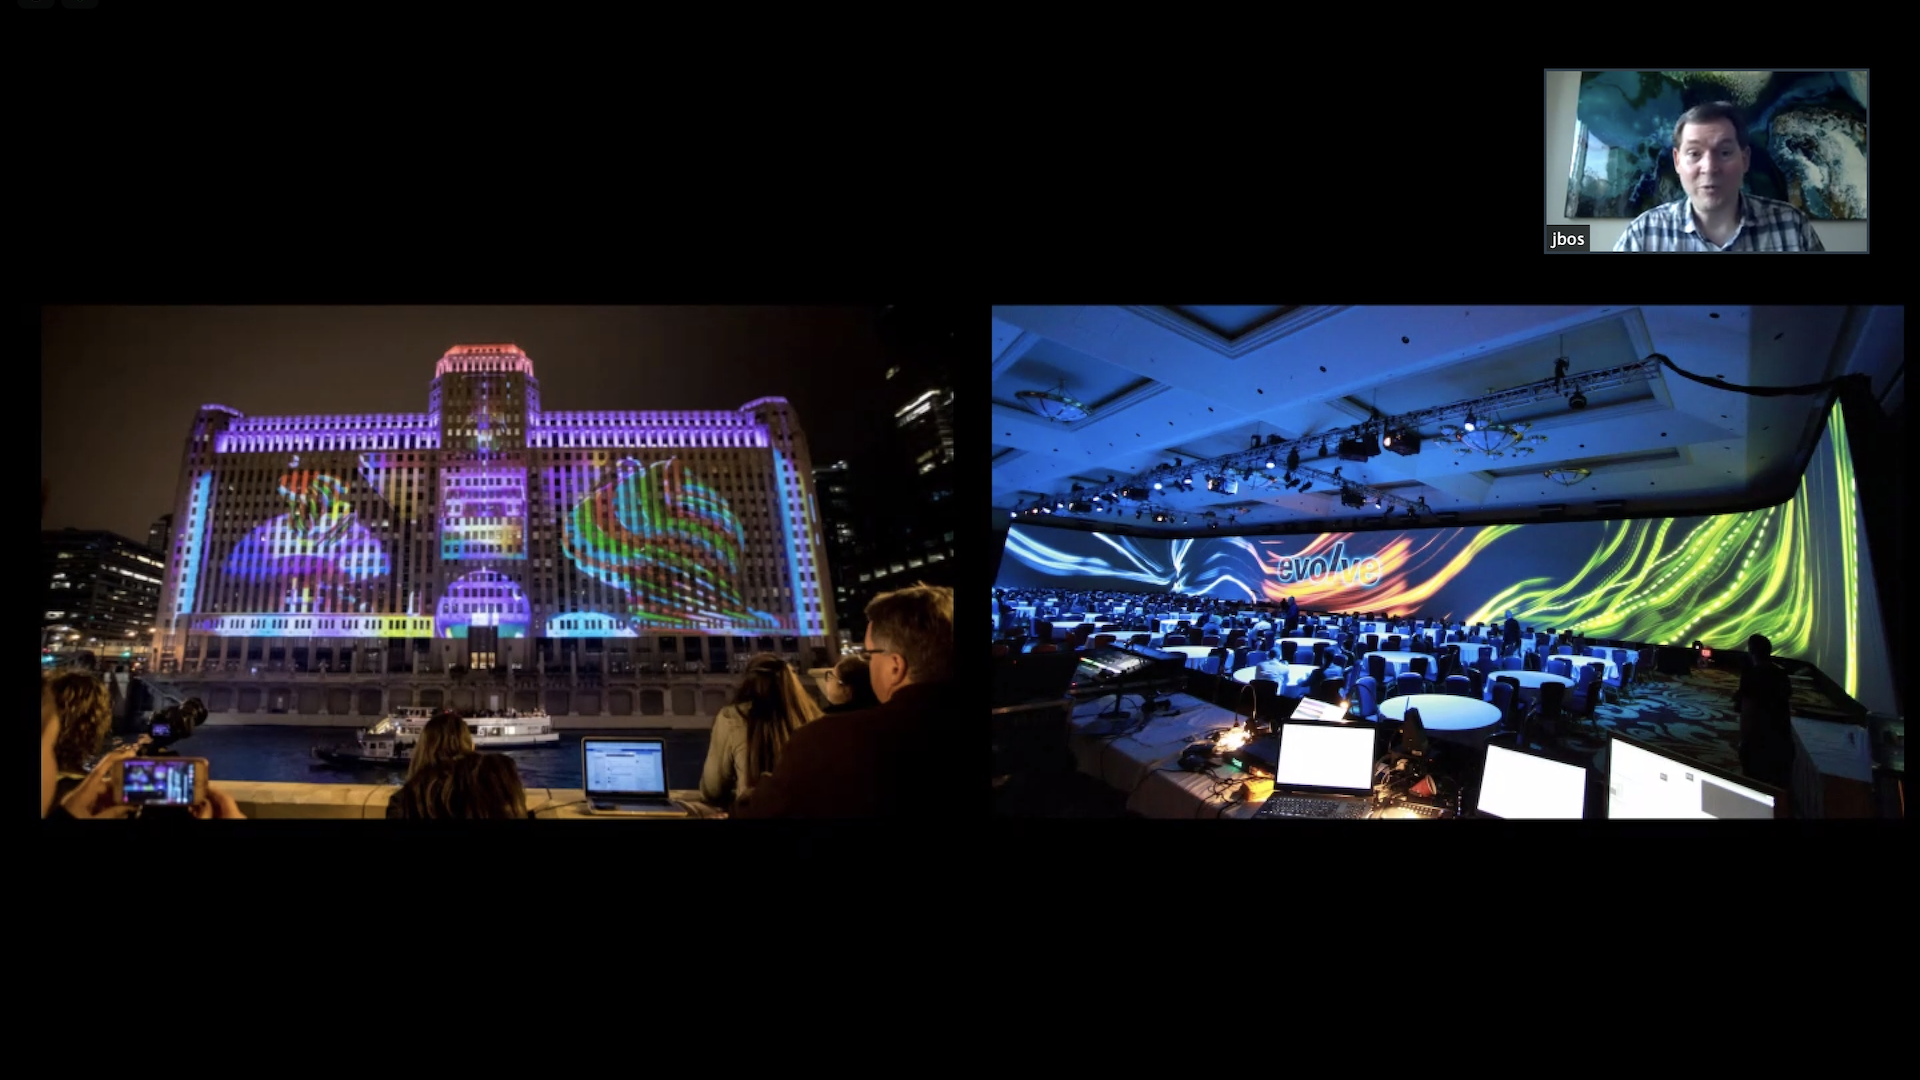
[1765, 225]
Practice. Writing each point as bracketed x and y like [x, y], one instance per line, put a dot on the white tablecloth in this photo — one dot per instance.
[1145, 764]
[1296, 677]
[1304, 643]
[1194, 653]
[1610, 670]
[1529, 682]
[1443, 712]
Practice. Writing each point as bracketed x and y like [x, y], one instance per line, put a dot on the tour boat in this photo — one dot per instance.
[390, 742]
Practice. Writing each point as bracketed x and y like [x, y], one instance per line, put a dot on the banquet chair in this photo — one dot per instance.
[1459, 686]
[1619, 683]
[1319, 654]
[1563, 668]
[1478, 680]
[1408, 682]
[1104, 639]
[1366, 693]
[1548, 715]
[1513, 663]
[1288, 649]
[1393, 643]
[1252, 659]
[1140, 639]
[1268, 706]
[1174, 639]
[1373, 642]
[1377, 667]
[1532, 662]
[1419, 665]
[1585, 695]
[1563, 650]
[1210, 640]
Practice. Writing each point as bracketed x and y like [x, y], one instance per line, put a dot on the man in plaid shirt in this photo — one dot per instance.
[1711, 154]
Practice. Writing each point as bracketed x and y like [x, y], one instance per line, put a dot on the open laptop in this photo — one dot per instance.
[627, 776]
[1324, 771]
[1517, 785]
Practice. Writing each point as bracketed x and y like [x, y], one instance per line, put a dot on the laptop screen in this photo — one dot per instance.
[1517, 785]
[1644, 783]
[1329, 757]
[625, 767]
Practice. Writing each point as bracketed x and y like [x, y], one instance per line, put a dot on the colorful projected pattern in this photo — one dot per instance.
[485, 515]
[666, 540]
[317, 550]
[1793, 572]
[299, 626]
[484, 598]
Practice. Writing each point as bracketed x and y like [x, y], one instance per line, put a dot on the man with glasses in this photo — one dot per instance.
[907, 757]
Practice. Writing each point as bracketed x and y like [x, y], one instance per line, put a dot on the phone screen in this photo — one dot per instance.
[159, 781]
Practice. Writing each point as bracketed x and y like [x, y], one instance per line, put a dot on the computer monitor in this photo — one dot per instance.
[1520, 785]
[1334, 758]
[1643, 782]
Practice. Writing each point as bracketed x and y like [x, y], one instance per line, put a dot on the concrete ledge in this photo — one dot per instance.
[264, 799]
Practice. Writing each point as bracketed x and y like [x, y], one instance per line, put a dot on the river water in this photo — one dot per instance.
[271, 752]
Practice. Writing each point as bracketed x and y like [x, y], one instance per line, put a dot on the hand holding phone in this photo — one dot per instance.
[98, 796]
[161, 781]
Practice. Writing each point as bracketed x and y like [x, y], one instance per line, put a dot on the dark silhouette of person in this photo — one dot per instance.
[1766, 716]
[1510, 638]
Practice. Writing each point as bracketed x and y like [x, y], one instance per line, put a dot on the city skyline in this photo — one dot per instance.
[121, 385]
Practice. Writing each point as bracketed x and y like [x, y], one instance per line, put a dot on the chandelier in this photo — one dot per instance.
[1567, 477]
[1493, 438]
[1054, 404]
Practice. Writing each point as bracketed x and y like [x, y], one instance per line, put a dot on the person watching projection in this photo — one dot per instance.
[848, 686]
[905, 757]
[429, 787]
[1764, 700]
[85, 714]
[768, 706]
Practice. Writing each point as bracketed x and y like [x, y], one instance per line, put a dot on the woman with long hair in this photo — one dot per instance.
[84, 708]
[429, 790]
[848, 686]
[767, 708]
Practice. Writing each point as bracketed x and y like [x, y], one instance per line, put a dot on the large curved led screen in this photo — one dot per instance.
[1798, 573]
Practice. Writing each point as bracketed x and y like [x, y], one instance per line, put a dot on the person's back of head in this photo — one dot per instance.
[772, 702]
[444, 738]
[1760, 647]
[910, 638]
[431, 790]
[488, 786]
[854, 678]
[85, 713]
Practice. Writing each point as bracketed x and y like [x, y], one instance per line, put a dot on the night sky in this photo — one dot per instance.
[120, 384]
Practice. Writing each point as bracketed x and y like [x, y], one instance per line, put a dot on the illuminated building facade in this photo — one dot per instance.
[492, 532]
[101, 593]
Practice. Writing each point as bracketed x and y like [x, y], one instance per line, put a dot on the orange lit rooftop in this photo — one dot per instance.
[471, 358]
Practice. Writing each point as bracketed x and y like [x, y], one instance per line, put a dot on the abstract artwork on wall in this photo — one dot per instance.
[1807, 131]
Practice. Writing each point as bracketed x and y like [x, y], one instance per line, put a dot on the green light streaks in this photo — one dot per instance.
[1718, 579]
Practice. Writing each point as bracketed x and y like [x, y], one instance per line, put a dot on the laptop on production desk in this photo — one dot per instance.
[627, 776]
[1516, 785]
[1324, 770]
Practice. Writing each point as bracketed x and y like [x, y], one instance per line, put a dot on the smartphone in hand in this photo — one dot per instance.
[162, 781]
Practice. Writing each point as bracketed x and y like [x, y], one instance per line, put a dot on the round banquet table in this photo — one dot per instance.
[1296, 675]
[1530, 682]
[1443, 712]
[1401, 661]
[1304, 643]
[1609, 669]
[1194, 653]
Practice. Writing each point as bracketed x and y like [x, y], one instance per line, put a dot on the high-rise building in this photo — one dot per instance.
[926, 427]
[490, 531]
[102, 591]
[160, 533]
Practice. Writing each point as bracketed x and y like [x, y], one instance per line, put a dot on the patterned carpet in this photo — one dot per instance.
[1693, 715]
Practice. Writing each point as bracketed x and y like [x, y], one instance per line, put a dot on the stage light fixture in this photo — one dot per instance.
[1269, 461]
[1304, 485]
[1293, 459]
[1404, 442]
[1156, 485]
[1578, 400]
[1256, 442]
[1323, 448]
[1469, 424]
